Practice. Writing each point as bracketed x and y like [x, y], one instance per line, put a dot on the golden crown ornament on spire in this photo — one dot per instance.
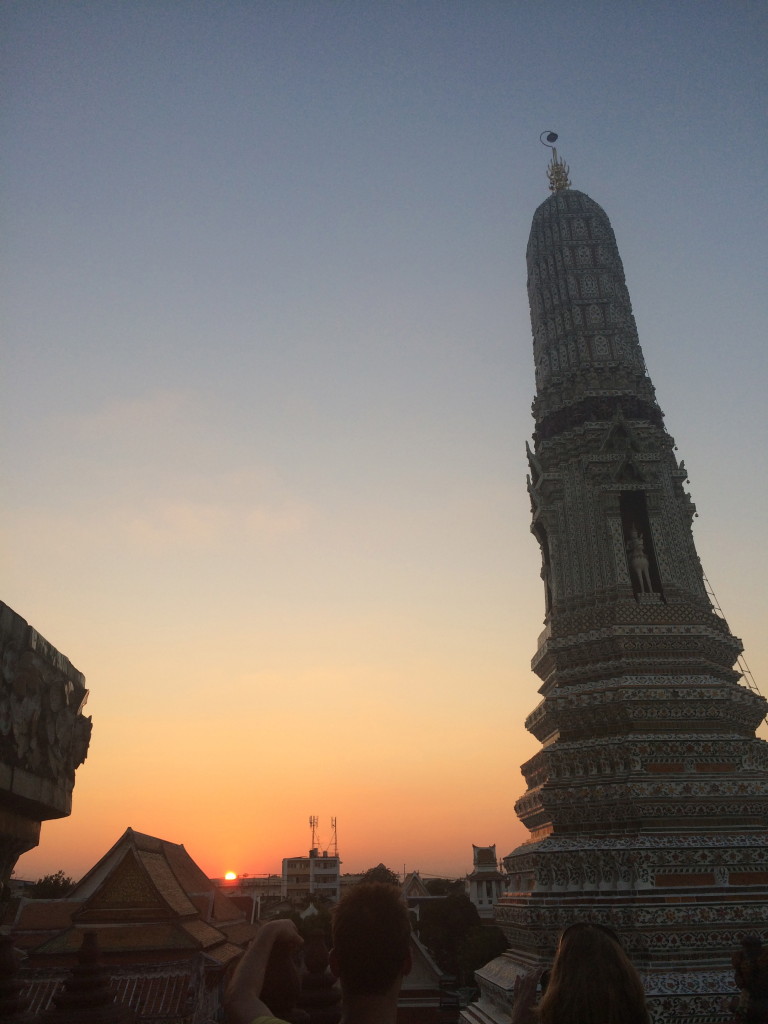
[557, 169]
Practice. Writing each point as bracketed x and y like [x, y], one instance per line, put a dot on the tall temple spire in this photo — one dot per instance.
[648, 801]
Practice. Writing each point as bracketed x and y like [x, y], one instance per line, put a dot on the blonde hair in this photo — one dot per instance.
[592, 981]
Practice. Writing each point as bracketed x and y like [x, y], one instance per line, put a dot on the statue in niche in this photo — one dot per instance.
[638, 562]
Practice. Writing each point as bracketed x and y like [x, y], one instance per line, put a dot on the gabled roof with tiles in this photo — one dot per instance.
[424, 975]
[134, 938]
[414, 887]
[241, 933]
[38, 920]
[173, 875]
[146, 897]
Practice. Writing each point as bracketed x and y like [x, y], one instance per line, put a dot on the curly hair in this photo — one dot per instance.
[592, 981]
[371, 937]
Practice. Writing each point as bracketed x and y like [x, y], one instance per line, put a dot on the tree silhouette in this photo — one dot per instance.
[51, 887]
[381, 873]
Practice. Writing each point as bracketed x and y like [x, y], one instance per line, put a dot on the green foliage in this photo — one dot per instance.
[444, 886]
[479, 946]
[381, 874]
[51, 887]
[444, 924]
[310, 924]
[317, 924]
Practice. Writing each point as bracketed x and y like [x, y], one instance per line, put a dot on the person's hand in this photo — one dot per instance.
[242, 1001]
[524, 997]
[279, 932]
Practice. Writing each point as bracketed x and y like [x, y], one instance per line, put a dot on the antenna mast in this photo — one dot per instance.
[334, 841]
[313, 827]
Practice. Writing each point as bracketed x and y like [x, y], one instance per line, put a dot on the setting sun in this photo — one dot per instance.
[230, 876]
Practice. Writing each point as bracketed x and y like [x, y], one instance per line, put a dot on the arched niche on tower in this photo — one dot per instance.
[639, 547]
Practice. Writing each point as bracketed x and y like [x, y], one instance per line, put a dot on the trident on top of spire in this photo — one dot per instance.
[557, 170]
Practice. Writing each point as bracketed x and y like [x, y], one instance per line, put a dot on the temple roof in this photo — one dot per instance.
[169, 871]
[413, 886]
[145, 895]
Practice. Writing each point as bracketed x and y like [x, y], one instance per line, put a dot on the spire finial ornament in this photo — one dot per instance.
[558, 169]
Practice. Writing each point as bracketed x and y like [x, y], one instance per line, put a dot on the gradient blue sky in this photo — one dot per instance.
[267, 383]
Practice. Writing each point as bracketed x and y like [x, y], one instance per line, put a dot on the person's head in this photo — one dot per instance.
[592, 981]
[371, 939]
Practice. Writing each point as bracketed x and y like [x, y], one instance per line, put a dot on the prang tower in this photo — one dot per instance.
[648, 801]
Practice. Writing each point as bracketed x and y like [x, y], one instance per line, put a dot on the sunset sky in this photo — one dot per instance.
[267, 377]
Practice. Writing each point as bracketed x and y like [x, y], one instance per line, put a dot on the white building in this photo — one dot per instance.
[486, 883]
[319, 874]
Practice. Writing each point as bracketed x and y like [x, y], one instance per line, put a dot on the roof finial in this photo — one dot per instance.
[557, 171]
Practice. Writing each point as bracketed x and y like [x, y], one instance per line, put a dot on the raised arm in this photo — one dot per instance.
[242, 1002]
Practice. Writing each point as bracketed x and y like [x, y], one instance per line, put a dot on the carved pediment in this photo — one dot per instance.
[628, 472]
[127, 890]
[620, 437]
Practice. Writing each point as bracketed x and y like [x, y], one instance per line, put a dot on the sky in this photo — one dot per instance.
[266, 383]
